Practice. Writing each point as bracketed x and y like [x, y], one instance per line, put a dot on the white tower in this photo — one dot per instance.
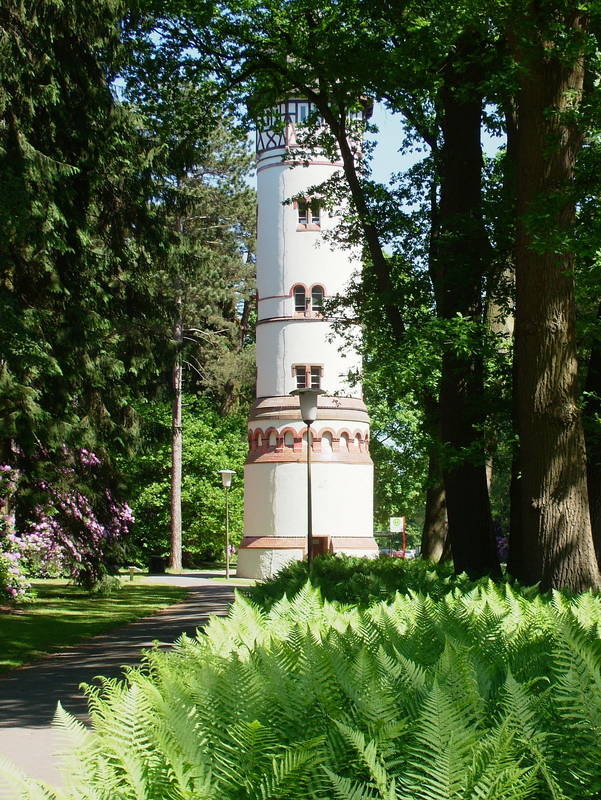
[296, 348]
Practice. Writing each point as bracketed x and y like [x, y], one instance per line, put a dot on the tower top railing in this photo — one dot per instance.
[278, 127]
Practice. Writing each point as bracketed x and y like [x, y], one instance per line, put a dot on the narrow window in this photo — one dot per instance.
[289, 439]
[303, 212]
[317, 298]
[301, 377]
[299, 298]
[326, 442]
[344, 441]
[315, 209]
[315, 377]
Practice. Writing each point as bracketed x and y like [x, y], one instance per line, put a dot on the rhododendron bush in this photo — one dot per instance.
[68, 524]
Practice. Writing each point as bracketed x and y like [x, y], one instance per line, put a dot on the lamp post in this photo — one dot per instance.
[226, 479]
[308, 409]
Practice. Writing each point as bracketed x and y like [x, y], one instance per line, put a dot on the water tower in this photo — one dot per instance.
[296, 348]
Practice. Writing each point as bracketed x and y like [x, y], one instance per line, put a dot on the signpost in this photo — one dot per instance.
[397, 525]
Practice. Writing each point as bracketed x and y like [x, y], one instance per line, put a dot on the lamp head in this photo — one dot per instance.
[226, 477]
[308, 403]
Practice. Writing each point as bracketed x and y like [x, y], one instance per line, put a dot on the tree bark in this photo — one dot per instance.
[556, 547]
[435, 530]
[175, 556]
[593, 441]
[460, 272]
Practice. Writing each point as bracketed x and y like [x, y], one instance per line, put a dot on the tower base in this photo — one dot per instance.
[262, 557]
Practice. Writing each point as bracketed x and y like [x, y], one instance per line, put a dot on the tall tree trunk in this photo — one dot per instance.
[175, 556]
[593, 441]
[557, 546]
[460, 271]
[436, 529]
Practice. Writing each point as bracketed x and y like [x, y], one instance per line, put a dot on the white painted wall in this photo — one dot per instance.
[286, 255]
[282, 344]
[261, 563]
[276, 499]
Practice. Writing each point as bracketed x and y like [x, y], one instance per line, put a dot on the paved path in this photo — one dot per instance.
[28, 695]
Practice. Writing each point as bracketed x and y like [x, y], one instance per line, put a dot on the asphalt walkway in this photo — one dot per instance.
[28, 695]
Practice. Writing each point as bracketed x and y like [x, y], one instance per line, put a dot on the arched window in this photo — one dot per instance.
[317, 298]
[343, 443]
[289, 439]
[326, 442]
[272, 439]
[300, 300]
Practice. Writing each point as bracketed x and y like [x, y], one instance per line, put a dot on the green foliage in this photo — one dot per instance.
[211, 443]
[485, 693]
[361, 581]
[79, 319]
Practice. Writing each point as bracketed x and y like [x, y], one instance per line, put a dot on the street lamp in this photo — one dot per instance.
[308, 409]
[226, 479]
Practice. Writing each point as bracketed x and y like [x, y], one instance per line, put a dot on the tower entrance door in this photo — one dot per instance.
[321, 545]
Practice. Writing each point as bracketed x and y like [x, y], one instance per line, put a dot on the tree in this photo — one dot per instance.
[78, 317]
[212, 442]
[553, 522]
[81, 321]
[207, 204]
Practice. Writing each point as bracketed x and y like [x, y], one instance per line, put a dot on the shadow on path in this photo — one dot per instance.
[28, 696]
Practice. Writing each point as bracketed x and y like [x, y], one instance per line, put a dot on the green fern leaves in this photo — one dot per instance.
[481, 694]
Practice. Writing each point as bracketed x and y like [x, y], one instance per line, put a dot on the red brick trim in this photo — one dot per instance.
[292, 318]
[292, 455]
[320, 163]
[354, 543]
[333, 543]
[274, 542]
[356, 446]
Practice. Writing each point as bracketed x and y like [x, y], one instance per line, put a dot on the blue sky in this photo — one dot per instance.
[387, 159]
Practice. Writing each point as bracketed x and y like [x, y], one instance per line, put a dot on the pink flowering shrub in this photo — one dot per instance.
[13, 582]
[72, 532]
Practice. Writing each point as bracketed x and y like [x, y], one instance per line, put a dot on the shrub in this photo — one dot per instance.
[72, 529]
[479, 694]
[361, 581]
[14, 586]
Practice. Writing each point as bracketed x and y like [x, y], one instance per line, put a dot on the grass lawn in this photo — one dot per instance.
[62, 615]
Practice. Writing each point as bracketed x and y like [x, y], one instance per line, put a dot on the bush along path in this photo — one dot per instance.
[483, 693]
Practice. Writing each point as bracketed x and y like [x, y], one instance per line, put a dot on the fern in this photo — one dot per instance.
[477, 692]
